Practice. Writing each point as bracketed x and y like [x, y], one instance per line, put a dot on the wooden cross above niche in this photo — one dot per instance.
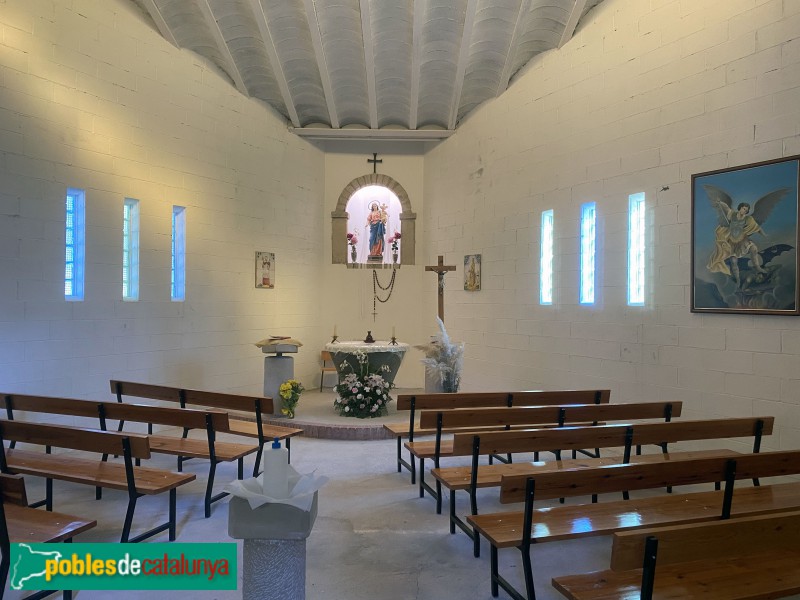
[374, 160]
[440, 269]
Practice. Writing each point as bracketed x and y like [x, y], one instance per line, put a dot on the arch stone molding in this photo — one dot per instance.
[408, 218]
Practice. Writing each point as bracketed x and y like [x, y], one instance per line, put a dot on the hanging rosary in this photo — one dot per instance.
[377, 284]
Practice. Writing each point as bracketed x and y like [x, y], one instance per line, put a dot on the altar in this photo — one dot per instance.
[378, 354]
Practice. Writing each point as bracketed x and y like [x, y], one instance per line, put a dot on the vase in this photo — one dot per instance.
[353, 253]
[394, 257]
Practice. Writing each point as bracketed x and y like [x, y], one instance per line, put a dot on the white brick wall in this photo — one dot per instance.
[92, 97]
[644, 95]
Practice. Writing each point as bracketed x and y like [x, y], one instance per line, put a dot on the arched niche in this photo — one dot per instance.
[339, 218]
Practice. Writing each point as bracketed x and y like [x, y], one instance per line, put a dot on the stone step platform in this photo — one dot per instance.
[317, 418]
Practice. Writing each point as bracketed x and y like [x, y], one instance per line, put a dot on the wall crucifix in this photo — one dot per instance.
[374, 160]
[441, 269]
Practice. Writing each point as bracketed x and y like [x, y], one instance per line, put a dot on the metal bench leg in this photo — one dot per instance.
[126, 528]
[289, 450]
[240, 468]
[528, 570]
[173, 502]
[399, 455]
[493, 569]
[49, 495]
[209, 487]
[258, 460]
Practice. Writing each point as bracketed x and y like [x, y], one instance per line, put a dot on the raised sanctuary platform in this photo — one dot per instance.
[317, 418]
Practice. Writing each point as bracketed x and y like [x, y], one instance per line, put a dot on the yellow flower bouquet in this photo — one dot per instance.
[290, 391]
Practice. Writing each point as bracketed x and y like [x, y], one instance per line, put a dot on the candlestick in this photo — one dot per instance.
[334, 330]
[392, 330]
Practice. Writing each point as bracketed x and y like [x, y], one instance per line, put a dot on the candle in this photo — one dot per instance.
[334, 330]
[393, 331]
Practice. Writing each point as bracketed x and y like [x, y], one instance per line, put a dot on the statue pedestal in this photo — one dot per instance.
[277, 369]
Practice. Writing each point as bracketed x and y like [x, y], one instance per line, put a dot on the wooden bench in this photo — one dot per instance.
[532, 525]
[137, 481]
[209, 421]
[250, 424]
[20, 524]
[627, 437]
[749, 557]
[528, 417]
[415, 402]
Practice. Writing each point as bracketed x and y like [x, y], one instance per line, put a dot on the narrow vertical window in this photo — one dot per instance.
[588, 228]
[75, 244]
[130, 249]
[178, 287]
[636, 249]
[546, 259]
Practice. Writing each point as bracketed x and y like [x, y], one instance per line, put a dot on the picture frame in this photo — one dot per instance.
[472, 272]
[744, 241]
[265, 270]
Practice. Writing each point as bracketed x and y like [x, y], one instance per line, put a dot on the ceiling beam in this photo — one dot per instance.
[322, 63]
[572, 21]
[393, 135]
[222, 46]
[463, 57]
[272, 53]
[369, 62]
[419, 8]
[505, 76]
[161, 24]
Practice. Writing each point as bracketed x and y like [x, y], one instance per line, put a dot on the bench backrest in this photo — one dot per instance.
[496, 417]
[625, 477]
[74, 438]
[140, 413]
[12, 488]
[478, 399]
[717, 539]
[218, 400]
[683, 431]
[609, 436]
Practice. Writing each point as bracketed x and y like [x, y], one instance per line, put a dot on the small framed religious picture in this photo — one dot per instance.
[472, 272]
[265, 270]
[745, 238]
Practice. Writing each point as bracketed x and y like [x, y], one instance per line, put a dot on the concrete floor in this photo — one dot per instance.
[374, 537]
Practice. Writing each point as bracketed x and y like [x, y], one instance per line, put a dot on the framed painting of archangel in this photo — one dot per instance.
[745, 239]
[265, 270]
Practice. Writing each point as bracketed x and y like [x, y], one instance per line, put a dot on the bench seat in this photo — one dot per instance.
[196, 448]
[109, 475]
[248, 428]
[503, 530]
[747, 558]
[28, 525]
[767, 575]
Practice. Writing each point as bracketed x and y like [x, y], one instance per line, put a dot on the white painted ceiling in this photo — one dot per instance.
[369, 68]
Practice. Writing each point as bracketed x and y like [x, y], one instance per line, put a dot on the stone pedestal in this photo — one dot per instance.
[277, 369]
[274, 561]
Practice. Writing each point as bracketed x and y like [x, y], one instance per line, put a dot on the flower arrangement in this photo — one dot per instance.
[444, 358]
[394, 239]
[290, 391]
[364, 394]
[352, 239]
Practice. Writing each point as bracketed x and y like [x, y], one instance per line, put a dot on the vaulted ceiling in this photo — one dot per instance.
[369, 68]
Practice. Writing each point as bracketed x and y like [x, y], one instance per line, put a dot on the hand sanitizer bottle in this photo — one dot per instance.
[276, 471]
